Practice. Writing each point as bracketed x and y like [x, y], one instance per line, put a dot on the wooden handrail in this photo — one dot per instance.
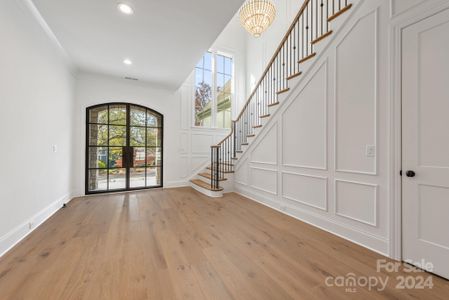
[278, 49]
[273, 58]
[225, 138]
[309, 27]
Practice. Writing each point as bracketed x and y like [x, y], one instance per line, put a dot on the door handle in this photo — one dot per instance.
[127, 154]
[410, 173]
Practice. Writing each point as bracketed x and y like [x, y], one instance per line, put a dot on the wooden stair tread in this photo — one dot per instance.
[322, 37]
[205, 185]
[340, 12]
[257, 126]
[209, 176]
[273, 104]
[239, 151]
[294, 76]
[307, 58]
[251, 135]
[283, 91]
[264, 116]
[222, 171]
[226, 164]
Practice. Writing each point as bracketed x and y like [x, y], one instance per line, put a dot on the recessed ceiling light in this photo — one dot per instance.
[127, 61]
[125, 8]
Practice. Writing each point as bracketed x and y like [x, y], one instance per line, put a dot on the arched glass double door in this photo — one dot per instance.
[123, 148]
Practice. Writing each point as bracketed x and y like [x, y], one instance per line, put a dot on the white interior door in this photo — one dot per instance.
[425, 144]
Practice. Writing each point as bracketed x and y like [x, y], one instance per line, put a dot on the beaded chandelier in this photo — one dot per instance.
[257, 15]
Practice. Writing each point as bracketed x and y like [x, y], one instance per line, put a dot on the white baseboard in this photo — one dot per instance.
[13, 237]
[364, 239]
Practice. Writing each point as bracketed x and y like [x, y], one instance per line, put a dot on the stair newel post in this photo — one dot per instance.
[234, 146]
[238, 134]
[222, 160]
[212, 168]
[227, 154]
[217, 168]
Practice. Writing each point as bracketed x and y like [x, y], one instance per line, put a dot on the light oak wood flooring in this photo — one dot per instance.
[180, 244]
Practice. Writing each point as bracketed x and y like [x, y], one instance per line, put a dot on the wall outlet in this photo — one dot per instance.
[370, 151]
[54, 148]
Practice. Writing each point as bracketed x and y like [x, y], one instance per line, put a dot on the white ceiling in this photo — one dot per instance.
[164, 38]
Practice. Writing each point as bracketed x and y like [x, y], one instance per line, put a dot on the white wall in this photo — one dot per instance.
[320, 171]
[36, 113]
[92, 89]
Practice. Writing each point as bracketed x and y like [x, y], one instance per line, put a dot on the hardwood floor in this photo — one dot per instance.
[179, 244]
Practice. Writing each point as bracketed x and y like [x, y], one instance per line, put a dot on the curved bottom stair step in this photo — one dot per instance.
[209, 176]
[205, 185]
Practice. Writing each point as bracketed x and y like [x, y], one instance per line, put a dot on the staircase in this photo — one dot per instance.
[311, 26]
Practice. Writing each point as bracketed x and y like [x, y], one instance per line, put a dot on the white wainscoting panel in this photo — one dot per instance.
[201, 143]
[305, 189]
[356, 201]
[264, 180]
[265, 151]
[356, 97]
[197, 162]
[400, 6]
[184, 170]
[334, 112]
[184, 143]
[241, 173]
[304, 125]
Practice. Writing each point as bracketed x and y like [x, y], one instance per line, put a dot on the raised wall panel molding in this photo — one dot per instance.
[368, 214]
[201, 143]
[398, 7]
[184, 170]
[197, 162]
[300, 99]
[241, 169]
[264, 151]
[359, 236]
[306, 188]
[358, 119]
[269, 182]
[184, 143]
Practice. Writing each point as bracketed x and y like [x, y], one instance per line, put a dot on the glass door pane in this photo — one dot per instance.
[107, 136]
[97, 149]
[124, 148]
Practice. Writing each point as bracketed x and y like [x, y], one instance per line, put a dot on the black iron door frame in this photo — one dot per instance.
[127, 150]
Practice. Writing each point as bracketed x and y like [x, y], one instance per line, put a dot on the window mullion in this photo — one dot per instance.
[214, 91]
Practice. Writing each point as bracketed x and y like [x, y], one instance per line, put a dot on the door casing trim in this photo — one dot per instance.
[397, 25]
